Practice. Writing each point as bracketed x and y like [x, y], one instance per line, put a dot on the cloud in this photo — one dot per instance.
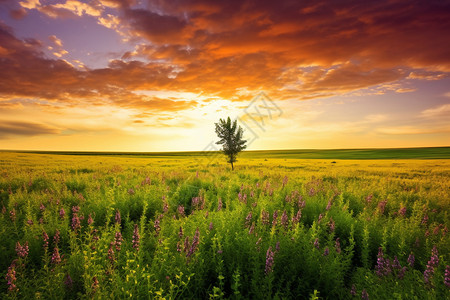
[294, 50]
[440, 111]
[14, 128]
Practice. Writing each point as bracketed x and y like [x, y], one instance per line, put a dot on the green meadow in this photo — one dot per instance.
[288, 224]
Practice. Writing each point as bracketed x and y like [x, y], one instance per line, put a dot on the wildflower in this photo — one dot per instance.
[56, 259]
[165, 207]
[311, 192]
[42, 207]
[157, 226]
[95, 284]
[447, 276]
[285, 181]
[275, 217]
[258, 241]
[117, 218]
[269, 260]
[331, 224]
[316, 243]
[296, 218]
[68, 282]
[131, 191]
[402, 211]
[90, 220]
[277, 247]
[369, 198]
[62, 213]
[411, 260]
[329, 204]
[396, 263]
[383, 267]
[56, 238]
[301, 203]
[265, 217]
[187, 245]
[382, 206]
[195, 242]
[425, 220]
[320, 218]
[136, 237]
[436, 230]
[178, 246]
[46, 238]
[76, 223]
[326, 252]
[402, 272]
[432, 264]
[353, 290]
[364, 295]
[12, 215]
[210, 226]
[118, 240]
[181, 210]
[219, 206]
[75, 209]
[284, 219]
[30, 222]
[252, 228]
[11, 277]
[22, 251]
[111, 255]
[180, 233]
[248, 219]
[337, 245]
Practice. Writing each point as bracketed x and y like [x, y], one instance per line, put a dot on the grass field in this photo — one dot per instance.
[334, 224]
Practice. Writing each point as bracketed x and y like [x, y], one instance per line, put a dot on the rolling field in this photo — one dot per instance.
[331, 224]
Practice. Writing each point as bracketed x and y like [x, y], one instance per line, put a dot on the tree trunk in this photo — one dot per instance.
[232, 167]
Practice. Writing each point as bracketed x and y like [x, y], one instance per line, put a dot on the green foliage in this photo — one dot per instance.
[230, 135]
[348, 210]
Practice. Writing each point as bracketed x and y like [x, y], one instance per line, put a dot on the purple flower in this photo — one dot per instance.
[329, 204]
[337, 245]
[11, 277]
[277, 247]
[432, 264]
[265, 217]
[165, 207]
[12, 215]
[402, 272]
[383, 267]
[157, 226]
[326, 252]
[316, 243]
[62, 213]
[210, 226]
[46, 238]
[90, 220]
[194, 245]
[248, 219]
[402, 211]
[353, 290]
[118, 240]
[56, 238]
[285, 181]
[111, 255]
[68, 281]
[42, 207]
[382, 206]
[252, 228]
[76, 223]
[181, 210]
[425, 219]
[95, 284]
[131, 191]
[331, 224]
[219, 206]
[180, 233]
[136, 237]
[447, 276]
[274, 218]
[284, 219]
[75, 209]
[117, 218]
[269, 260]
[364, 295]
[411, 260]
[395, 263]
[297, 217]
[22, 251]
[320, 218]
[56, 259]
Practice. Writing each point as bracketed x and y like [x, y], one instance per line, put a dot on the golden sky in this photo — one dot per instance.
[129, 75]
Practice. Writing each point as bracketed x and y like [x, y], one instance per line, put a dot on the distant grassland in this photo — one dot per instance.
[376, 153]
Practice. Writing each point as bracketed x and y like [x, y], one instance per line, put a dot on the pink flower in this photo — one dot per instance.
[22, 251]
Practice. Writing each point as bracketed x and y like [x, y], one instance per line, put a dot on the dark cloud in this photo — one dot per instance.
[10, 128]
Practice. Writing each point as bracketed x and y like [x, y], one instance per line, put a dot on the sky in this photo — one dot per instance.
[137, 75]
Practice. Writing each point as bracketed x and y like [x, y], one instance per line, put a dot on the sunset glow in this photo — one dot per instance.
[131, 75]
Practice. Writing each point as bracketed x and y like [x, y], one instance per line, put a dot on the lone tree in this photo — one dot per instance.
[230, 135]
